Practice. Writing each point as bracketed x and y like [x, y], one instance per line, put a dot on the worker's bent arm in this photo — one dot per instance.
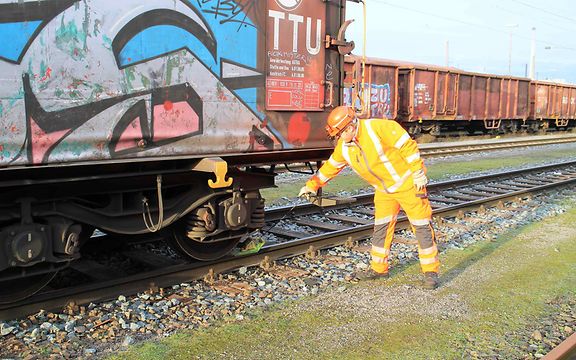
[329, 170]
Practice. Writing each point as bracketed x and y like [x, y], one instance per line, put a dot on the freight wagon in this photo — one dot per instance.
[426, 98]
[138, 116]
[553, 103]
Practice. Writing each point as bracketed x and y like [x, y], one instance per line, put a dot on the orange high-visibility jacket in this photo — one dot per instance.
[382, 153]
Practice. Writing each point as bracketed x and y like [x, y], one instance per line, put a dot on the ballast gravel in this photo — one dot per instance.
[98, 329]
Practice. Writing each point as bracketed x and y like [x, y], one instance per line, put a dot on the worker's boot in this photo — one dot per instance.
[372, 275]
[430, 280]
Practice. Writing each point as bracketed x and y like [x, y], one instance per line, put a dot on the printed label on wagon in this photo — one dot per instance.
[295, 55]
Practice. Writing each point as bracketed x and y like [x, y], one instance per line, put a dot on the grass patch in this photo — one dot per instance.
[499, 288]
[436, 171]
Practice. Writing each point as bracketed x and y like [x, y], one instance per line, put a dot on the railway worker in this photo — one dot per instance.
[384, 155]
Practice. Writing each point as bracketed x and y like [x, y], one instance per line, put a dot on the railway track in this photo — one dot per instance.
[440, 149]
[318, 228]
[430, 150]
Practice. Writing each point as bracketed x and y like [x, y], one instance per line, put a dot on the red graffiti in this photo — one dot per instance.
[47, 74]
[298, 129]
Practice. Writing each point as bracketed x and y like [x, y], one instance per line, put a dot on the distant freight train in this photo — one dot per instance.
[139, 116]
[427, 99]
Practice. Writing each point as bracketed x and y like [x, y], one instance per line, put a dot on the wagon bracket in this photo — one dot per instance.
[218, 167]
[344, 47]
[561, 122]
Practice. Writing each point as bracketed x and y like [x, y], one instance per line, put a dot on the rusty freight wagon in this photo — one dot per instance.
[139, 116]
[553, 104]
[436, 97]
[427, 98]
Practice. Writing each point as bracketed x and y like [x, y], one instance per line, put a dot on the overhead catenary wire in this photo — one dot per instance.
[486, 27]
[544, 10]
[548, 23]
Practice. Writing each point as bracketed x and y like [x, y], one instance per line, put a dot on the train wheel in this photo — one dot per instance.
[202, 250]
[19, 289]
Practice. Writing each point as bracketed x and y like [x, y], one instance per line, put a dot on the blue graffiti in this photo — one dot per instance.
[380, 100]
[14, 37]
[230, 38]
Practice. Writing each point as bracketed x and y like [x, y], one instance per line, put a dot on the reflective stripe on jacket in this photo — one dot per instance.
[382, 153]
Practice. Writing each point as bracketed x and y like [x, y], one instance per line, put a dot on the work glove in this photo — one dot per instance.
[306, 192]
[420, 180]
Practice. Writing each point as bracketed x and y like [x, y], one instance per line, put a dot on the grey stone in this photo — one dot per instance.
[80, 329]
[7, 330]
[69, 326]
[128, 340]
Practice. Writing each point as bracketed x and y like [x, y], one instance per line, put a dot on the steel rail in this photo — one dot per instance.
[430, 150]
[279, 212]
[565, 351]
[102, 291]
[439, 149]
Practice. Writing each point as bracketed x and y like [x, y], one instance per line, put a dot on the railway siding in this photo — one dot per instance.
[236, 297]
[510, 297]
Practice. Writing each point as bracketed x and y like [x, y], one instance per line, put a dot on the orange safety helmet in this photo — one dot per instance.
[339, 119]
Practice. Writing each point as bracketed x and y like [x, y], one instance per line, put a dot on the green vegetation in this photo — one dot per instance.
[436, 171]
[491, 293]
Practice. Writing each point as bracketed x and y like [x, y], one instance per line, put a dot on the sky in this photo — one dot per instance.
[477, 33]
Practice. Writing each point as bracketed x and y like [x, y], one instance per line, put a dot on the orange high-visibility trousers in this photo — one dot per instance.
[419, 213]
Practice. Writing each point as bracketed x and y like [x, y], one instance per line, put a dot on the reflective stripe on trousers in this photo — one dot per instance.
[383, 229]
[419, 213]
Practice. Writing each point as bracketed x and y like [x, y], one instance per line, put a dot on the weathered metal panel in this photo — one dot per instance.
[349, 81]
[383, 91]
[506, 99]
[464, 97]
[479, 98]
[542, 93]
[424, 90]
[441, 93]
[405, 97]
[493, 100]
[555, 101]
[565, 102]
[451, 94]
[572, 103]
[381, 82]
[522, 99]
[100, 79]
[445, 96]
